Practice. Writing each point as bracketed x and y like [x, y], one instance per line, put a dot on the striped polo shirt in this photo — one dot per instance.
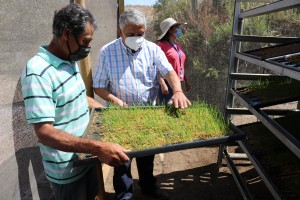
[132, 77]
[53, 91]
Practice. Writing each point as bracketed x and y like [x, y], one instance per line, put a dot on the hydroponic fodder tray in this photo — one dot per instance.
[273, 51]
[277, 161]
[291, 61]
[263, 93]
[150, 130]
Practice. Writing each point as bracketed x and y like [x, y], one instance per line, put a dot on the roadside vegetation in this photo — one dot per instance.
[207, 37]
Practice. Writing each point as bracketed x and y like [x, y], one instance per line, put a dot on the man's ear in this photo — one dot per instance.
[65, 35]
[119, 32]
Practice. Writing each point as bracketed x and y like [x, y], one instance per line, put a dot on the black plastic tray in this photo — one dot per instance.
[274, 51]
[283, 61]
[257, 102]
[86, 160]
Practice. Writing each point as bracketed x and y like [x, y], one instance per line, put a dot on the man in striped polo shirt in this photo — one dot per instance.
[57, 106]
[127, 74]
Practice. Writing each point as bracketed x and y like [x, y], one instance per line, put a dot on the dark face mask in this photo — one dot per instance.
[81, 53]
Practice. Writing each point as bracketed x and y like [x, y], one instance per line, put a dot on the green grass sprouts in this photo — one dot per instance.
[146, 127]
[266, 88]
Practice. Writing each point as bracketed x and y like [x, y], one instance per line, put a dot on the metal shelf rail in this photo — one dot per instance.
[270, 185]
[234, 75]
[285, 71]
[287, 138]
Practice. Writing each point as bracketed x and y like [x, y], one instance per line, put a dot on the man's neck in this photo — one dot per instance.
[56, 49]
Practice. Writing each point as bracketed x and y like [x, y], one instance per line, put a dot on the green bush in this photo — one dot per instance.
[207, 38]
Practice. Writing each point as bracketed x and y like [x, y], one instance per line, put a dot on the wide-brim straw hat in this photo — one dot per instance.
[166, 24]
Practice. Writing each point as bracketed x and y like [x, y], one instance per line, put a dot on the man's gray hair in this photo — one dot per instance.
[132, 16]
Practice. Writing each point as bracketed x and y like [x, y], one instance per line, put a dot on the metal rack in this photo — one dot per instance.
[234, 75]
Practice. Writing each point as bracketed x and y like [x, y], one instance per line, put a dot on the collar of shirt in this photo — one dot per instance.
[52, 59]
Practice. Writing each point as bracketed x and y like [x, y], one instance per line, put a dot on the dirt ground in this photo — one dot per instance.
[193, 174]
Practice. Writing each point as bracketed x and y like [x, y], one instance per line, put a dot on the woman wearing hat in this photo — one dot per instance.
[167, 41]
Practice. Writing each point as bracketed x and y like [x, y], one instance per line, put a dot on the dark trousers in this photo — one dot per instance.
[122, 180]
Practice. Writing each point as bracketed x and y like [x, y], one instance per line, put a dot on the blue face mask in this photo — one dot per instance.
[178, 32]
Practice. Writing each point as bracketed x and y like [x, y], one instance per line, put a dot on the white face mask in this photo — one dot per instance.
[134, 42]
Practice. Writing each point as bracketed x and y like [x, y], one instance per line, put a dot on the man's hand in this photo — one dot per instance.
[120, 103]
[179, 100]
[112, 154]
[107, 96]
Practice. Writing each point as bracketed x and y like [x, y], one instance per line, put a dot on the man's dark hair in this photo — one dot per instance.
[72, 17]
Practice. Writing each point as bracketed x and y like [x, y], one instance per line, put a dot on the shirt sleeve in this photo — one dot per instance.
[39, 102]
[162, 62]
[101, 78]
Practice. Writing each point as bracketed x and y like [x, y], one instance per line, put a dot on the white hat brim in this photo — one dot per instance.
[167, 29]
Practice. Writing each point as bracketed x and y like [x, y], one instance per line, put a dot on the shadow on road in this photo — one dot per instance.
[205, 183]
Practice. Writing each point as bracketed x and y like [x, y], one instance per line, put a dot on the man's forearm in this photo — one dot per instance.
[63, 141]
[178, 98]
[93, 103]
[109, 153]
[107, 96]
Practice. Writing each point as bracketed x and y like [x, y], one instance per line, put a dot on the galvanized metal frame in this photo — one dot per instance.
[233, 75]
[284, 71]
[247, 76]
[270, 8]
[270, 185]
[245, 111]
[237, 177]
[234, 62]
[284, 136]
[264, 39]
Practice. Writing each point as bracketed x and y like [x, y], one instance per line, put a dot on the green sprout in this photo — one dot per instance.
[139, 127]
